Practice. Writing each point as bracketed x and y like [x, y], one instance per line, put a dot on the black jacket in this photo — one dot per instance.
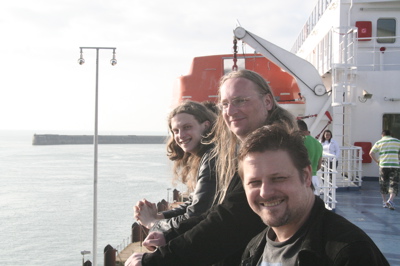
[218, 236]
[201, 201]
[330, 240]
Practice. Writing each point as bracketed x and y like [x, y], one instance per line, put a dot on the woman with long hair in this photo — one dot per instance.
[329, 145]
[190, 124]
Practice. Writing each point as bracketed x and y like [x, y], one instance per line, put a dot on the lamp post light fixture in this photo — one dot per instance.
[84, 252]
[113, 62]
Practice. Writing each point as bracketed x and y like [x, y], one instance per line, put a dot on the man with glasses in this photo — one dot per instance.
[220, 235]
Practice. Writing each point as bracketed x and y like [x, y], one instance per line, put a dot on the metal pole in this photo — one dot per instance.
[113, 62]
[95, 162]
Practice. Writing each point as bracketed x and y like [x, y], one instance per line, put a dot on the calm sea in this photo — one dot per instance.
[46, 197]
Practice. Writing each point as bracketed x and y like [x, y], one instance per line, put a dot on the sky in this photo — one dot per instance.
[43, 88]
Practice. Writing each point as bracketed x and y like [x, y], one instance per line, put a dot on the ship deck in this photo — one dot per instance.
[363, 207]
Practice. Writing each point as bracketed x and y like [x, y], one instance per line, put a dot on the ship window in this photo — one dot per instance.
[228, 64]
[386, 27]
[392, 122]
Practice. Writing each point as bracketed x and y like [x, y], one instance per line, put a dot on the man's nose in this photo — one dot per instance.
[266, 190]
[231, 110]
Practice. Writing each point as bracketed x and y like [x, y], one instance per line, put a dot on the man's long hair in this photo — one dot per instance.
[226, 143]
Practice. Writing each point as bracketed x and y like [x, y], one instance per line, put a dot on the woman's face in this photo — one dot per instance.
[327, 135]
[188, 131]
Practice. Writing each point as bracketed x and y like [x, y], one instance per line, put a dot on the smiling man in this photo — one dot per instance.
[276, 175]
[244, 107]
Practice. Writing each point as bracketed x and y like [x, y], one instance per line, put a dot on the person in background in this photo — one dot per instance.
[220, 235]
[389, 167]
[330, 146]
[314, 149]
[189, 124]
[299, 230]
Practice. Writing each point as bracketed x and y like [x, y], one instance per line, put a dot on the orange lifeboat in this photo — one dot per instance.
[202, 82]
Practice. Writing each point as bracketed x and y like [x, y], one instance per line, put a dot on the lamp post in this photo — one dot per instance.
[168, 189]
[113, 62]
[84, 252]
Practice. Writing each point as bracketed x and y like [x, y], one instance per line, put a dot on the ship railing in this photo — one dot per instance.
[318, 11]
[350, 167]
[133, 243]
[378, 56]
[124, 243]
[327, 176]
[344, 172]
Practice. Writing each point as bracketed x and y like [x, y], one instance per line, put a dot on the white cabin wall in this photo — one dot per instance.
[367, 117]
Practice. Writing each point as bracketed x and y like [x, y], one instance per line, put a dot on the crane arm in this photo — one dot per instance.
[304, 72]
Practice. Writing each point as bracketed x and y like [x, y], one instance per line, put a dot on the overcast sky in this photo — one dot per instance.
[42, 87]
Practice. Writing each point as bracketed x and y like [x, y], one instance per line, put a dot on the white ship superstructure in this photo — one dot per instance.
[355, 47]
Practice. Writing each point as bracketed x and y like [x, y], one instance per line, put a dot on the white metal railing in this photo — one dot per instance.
[374, 56]
[315, 16]
[327, 176]
[347, 173]
[341, 46]
[344, 41]
[350, 166]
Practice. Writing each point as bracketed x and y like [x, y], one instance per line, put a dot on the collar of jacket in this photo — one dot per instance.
[311, 247]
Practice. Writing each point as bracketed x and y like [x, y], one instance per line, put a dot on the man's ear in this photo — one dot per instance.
[307, 175]
[207, 124]
[269, 102]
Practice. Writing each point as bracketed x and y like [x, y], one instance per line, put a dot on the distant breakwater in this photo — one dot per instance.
[54, 139]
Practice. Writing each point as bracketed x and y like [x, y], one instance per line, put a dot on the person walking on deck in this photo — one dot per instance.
[389, 167]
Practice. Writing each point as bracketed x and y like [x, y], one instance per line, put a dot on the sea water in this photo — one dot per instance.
[46, 197]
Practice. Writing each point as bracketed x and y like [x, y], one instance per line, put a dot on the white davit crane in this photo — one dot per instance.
[308, 79]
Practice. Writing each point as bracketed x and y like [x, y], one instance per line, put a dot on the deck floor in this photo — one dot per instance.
[364, 208]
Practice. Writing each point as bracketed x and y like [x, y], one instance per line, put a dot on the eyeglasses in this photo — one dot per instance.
[236, 102]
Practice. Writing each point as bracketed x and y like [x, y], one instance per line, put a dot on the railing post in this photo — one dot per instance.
[176, 195]
[162, 206]
[139, 232]
[109, 256]
[135, 232]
